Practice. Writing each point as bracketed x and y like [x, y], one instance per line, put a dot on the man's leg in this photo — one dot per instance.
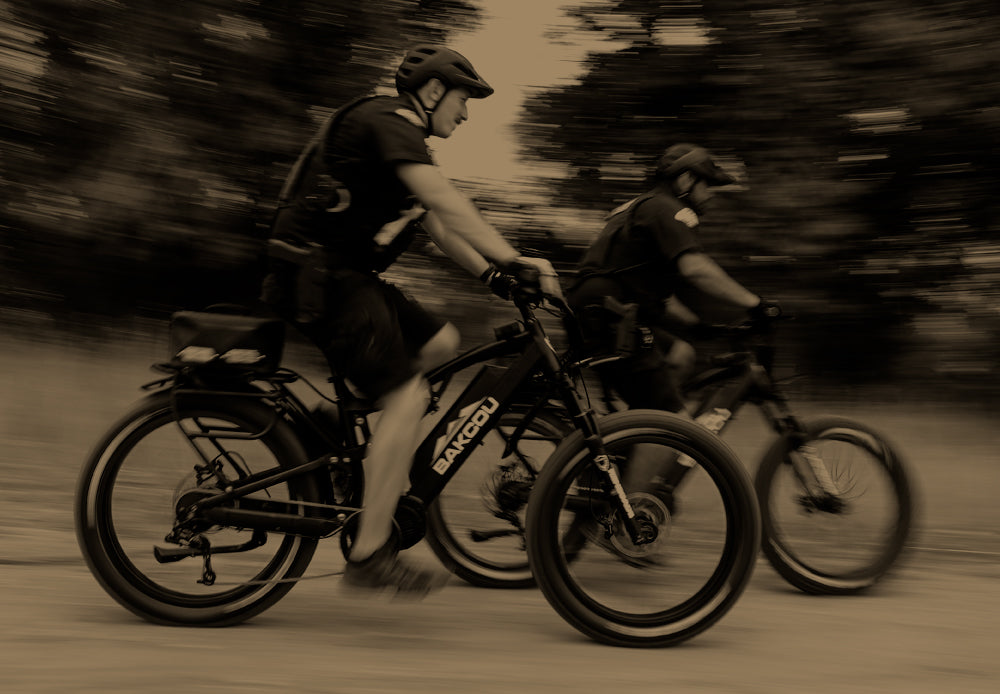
[390, 453]
[654, 388]
[439, 349]
[373, 561]
[387, 464]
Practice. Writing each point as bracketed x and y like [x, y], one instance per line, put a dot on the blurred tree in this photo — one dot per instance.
[145, 140]
[866, 133]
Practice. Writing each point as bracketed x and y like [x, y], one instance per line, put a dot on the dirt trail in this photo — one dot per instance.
[931, 628]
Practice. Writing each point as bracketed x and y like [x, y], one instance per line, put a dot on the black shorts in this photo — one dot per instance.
[644, 380]
[372, 332]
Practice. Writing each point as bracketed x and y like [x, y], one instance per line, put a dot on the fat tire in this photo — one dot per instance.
[550, 566]
[783, 559]
[468, 566]
[98, 542]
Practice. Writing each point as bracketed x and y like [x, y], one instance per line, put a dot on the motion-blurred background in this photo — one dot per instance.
[142, 144]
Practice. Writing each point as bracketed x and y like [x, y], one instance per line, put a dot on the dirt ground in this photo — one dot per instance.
[930, 627]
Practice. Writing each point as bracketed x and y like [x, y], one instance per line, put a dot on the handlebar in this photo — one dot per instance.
[529, 290]
[746, 337]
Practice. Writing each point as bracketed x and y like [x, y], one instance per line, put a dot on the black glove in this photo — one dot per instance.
[765, 311]
[522, 270]
[498, 282]
[523, 278]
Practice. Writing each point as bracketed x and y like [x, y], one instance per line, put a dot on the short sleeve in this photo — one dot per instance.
[399, 139]
[671, 228]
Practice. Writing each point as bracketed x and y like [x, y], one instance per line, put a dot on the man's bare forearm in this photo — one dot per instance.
[706, 275]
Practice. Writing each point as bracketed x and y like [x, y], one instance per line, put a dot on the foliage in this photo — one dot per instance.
[142, 144]
[145, 140]
[866, 136]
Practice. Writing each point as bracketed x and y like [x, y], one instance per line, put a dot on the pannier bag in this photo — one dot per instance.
[226, 342]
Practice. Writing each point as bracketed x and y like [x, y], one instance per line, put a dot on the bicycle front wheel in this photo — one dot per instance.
[697, 546]
[139, 475]
[841, 542]
[476, 525]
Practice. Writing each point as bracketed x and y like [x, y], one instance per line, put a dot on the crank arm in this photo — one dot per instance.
[484, 535]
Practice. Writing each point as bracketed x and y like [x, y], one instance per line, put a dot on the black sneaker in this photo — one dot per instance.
[385, 571]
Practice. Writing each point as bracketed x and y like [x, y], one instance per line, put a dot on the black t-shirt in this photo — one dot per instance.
[360, 155]
[642, 259]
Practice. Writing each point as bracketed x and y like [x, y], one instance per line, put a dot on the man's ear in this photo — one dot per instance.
[432, 92]
[683, 182]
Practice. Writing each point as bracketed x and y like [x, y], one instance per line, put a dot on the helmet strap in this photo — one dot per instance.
[422, 111]
[676, 189]
[419, 97]
[682, 185]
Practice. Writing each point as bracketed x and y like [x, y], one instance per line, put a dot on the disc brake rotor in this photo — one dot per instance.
[653, 519]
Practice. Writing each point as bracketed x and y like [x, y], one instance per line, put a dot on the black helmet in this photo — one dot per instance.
[687, 157]
[424, 62]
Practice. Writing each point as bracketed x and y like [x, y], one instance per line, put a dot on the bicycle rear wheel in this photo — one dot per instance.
[842, 543]
[476, 525]
[136, 478]
[699, 546]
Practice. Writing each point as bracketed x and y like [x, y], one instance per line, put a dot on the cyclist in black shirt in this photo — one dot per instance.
[647, 249]
[626, 289]
[361, 191]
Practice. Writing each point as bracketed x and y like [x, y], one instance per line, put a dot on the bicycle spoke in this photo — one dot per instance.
[843, 534]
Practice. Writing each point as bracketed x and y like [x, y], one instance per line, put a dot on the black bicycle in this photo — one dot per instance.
[204, 504]
[834, 493]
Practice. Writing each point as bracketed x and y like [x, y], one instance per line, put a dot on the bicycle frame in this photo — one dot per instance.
[745, 377]
[451, 442]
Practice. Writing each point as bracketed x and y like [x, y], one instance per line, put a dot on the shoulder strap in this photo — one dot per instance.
[608, 241]
[315, 147]
[627, 226]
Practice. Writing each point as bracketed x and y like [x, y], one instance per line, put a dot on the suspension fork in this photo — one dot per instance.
[586, 420]
[807, 465]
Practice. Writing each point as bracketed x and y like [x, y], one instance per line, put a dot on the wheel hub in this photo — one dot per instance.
[653, 520]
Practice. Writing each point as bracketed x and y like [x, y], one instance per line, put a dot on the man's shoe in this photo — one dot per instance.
[385, 571]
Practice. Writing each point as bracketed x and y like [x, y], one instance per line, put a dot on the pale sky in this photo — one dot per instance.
[511, 52]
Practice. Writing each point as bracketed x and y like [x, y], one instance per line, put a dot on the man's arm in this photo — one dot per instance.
[456, 214]
[676, 309]
[455, 246]
[705, 274]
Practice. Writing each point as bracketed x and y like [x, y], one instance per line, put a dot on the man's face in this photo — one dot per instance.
[699, 196]
[451, 112]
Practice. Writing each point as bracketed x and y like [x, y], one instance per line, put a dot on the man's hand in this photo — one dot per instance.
[500, 283]
[541, 268]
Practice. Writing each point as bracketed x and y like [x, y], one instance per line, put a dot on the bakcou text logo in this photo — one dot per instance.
[465, 434]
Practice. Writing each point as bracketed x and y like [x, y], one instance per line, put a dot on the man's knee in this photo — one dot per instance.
[412, 397]
[681, 358]
[648, 388]
[440, 348]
